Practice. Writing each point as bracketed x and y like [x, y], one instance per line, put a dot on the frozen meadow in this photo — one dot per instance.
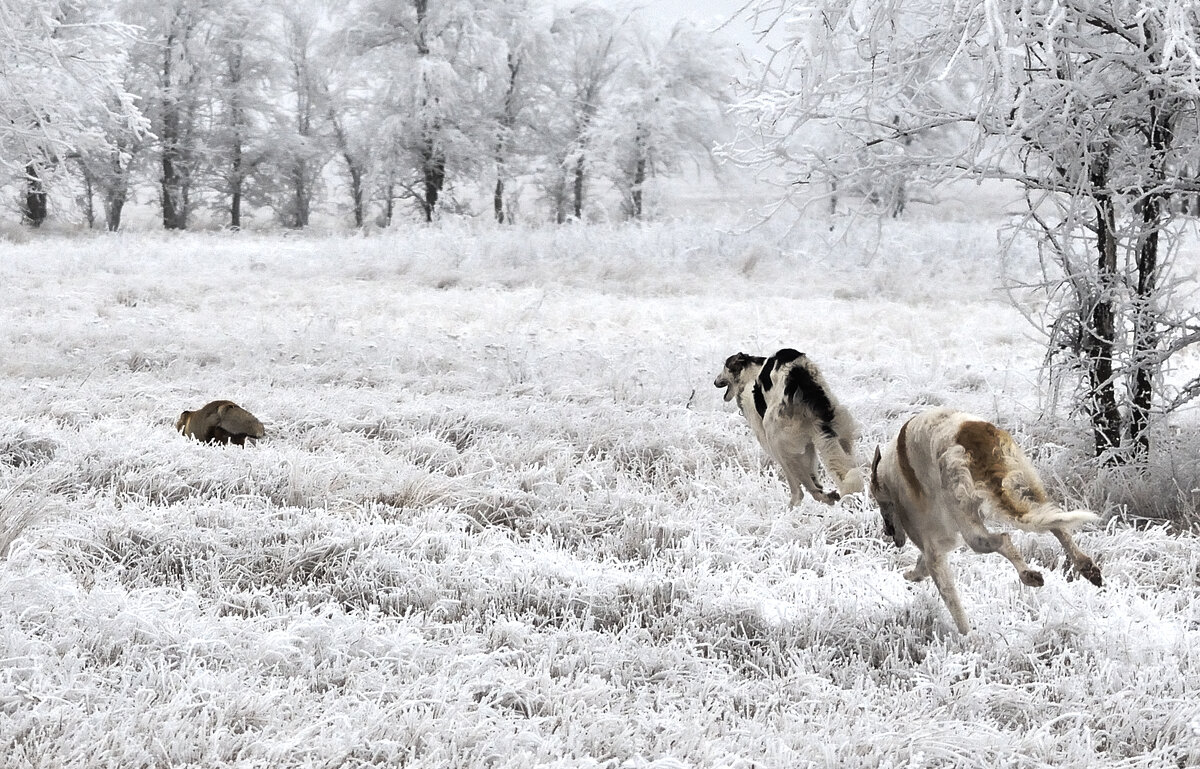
[502, 517]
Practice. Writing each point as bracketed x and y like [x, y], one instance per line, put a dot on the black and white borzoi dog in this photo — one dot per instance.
[943, 475]
[796, 419]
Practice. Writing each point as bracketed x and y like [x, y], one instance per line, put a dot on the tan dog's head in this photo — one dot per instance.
[887, 502]
[739, 369]
[182, 421]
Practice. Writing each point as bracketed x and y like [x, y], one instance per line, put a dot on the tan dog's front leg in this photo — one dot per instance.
[940, 571]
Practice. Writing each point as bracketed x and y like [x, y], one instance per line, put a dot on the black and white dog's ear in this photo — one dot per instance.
[736, 362]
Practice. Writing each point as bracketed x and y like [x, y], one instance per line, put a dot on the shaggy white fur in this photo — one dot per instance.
[796, 419]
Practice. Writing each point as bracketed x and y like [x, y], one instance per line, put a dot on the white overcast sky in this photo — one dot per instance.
[708, 14]
[700, 10]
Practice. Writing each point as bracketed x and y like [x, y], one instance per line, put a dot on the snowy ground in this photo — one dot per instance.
[502, 517]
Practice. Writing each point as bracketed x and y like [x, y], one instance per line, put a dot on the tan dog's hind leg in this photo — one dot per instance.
[1082, 563]
[979, 539]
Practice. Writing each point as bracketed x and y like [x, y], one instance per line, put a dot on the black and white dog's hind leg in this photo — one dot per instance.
[837, 452]
[800, 471]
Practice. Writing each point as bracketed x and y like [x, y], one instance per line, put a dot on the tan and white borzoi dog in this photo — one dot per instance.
[796, 418]
[942, 474]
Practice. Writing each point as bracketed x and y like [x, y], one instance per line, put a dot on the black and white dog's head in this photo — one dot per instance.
[740, 369]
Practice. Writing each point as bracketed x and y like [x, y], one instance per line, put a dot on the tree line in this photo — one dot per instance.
[237, 107]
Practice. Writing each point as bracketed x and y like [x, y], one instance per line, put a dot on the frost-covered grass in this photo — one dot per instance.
[502, 517]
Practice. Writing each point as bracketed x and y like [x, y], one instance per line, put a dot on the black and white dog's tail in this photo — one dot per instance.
[805, 393]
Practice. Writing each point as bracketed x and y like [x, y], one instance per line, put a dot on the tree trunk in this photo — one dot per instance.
[36, 206]
[899, 196]
[1145, 326]
[508, 118]
[358, 196]
[235, 206]
[356, 170]
[116, 193]
[1146, 330]
[1099, 330]
[174, 208]
[89, 198]
[169, 133]
[357, 174]
[301, 198]
[899, 200]
[389, 203]
[498, 200]
[114, 203]
[578, 197]
[639, 181]
[560, 201]
[237, 177]
[433, 171]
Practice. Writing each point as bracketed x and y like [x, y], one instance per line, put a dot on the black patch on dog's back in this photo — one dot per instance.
[801, 385]
[781, 358]
[764, 376]
[760, 403]
[787, 355]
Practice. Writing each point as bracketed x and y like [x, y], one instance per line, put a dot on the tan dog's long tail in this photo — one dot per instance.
[1048, 515]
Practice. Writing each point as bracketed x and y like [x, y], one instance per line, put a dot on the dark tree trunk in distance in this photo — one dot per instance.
[433, 172]
[36, 207]
[498, 202]
[578, 197]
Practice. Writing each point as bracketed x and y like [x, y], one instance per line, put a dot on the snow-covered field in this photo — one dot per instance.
[502, 518]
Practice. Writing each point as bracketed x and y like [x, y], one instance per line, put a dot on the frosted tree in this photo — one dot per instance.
[433, 54]
[668, 107]
[588, 45]
[356, 111]
[355, 132]
[1091, 107]
[170, 75]
[60, 91]
[107, 168]
[516, 76]
[351, 122]
[243, 68]
[302, 146]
